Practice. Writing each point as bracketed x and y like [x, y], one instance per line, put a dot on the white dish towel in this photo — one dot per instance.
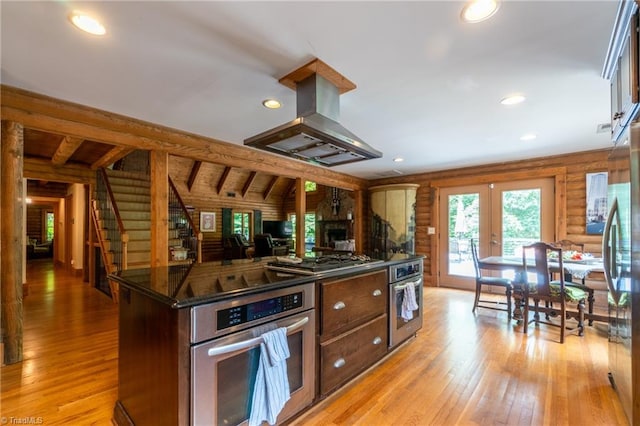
[271, 388]
[409, 303]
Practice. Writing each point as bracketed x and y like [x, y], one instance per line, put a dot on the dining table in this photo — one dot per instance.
[572, 269]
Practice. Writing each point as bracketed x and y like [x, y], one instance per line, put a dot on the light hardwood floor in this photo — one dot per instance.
[462, 369]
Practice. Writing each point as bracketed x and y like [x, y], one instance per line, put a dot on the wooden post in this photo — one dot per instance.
[200, 237]
[11, 239]
[159, 208]
[301, 210]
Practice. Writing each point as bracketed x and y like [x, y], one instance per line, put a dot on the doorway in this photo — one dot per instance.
[40, 229]
[499, 217]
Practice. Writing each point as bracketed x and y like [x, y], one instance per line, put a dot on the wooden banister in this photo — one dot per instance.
[116, 212]
[124, 237]
[196, 231]
[108, 264]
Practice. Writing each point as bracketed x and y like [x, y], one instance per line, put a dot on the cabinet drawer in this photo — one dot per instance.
[352, 301]
[344, 357]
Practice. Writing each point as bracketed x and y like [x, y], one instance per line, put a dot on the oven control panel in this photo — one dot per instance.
[256, 310]
[404, 270]
[227, 316]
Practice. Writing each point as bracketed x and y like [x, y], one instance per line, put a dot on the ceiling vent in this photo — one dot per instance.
[316, 135]
[389, 173]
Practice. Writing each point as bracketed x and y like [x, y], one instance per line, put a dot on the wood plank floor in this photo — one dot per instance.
[69, 375]
[462, 369]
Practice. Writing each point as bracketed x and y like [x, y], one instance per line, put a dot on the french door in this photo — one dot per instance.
[499, 217]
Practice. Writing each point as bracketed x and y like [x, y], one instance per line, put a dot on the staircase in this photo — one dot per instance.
[132, 194]
[124, 243]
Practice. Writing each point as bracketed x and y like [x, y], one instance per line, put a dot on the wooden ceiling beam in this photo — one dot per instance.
[248, 183]
[223, 179]
[193, 175]
[52, 115]
[40, 169]
[114, 154]
[267, 192]
[291, 189]
[68, 145]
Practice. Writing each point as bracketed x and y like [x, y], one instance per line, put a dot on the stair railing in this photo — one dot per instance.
[112, 224]
[107, 256]
[187, 231]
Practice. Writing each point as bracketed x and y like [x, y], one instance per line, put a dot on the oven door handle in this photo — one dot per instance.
[221, 350]
[412, 283]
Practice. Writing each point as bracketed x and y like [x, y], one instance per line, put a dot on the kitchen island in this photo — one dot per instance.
[188, 340]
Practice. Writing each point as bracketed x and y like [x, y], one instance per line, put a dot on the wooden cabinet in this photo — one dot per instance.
[353, 326]
[621, 68]
[393, 218]
[153, 361]
[351, 353]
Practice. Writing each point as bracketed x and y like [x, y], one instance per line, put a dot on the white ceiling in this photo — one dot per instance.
[428, 85]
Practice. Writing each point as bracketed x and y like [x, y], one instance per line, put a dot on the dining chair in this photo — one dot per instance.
[483, 280]
[555, 294]
[567, 245]
[568, 277]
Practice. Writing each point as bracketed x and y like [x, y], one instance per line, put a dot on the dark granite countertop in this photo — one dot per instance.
[181, 286]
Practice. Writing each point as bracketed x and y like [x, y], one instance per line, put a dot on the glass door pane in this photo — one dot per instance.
[520, 220]
[463, 225]
[526, 215]
[461, 210]
[500, 218]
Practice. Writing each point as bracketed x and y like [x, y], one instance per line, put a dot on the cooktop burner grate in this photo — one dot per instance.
[312, 265]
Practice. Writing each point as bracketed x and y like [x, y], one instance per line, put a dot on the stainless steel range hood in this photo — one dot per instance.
[315, 135]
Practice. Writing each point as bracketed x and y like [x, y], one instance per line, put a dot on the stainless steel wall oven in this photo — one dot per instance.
[404, 277]
[226, 349]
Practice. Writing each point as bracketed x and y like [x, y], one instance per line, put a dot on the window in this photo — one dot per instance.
[309, 230]
[242, 224]
[310, 186]
[50, 224]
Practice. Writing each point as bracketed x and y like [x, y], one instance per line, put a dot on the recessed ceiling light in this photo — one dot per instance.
[512, 100]
[479, 10]
[528, 137]
[87, 23]
[271, 103]
[398, 160]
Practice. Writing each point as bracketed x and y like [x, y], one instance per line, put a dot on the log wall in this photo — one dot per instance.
[210, 192]
[573, 218]
[35, 222]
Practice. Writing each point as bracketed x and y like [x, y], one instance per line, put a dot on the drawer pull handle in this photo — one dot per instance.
[339, 305]
[377, 340]
[339, 363]
[377, 292]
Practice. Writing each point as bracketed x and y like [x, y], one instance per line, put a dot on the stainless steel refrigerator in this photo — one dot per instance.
[621, 254]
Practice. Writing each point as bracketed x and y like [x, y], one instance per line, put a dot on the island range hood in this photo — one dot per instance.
[316, 135]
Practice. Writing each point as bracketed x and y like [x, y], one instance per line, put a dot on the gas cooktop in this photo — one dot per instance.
[314, 265]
